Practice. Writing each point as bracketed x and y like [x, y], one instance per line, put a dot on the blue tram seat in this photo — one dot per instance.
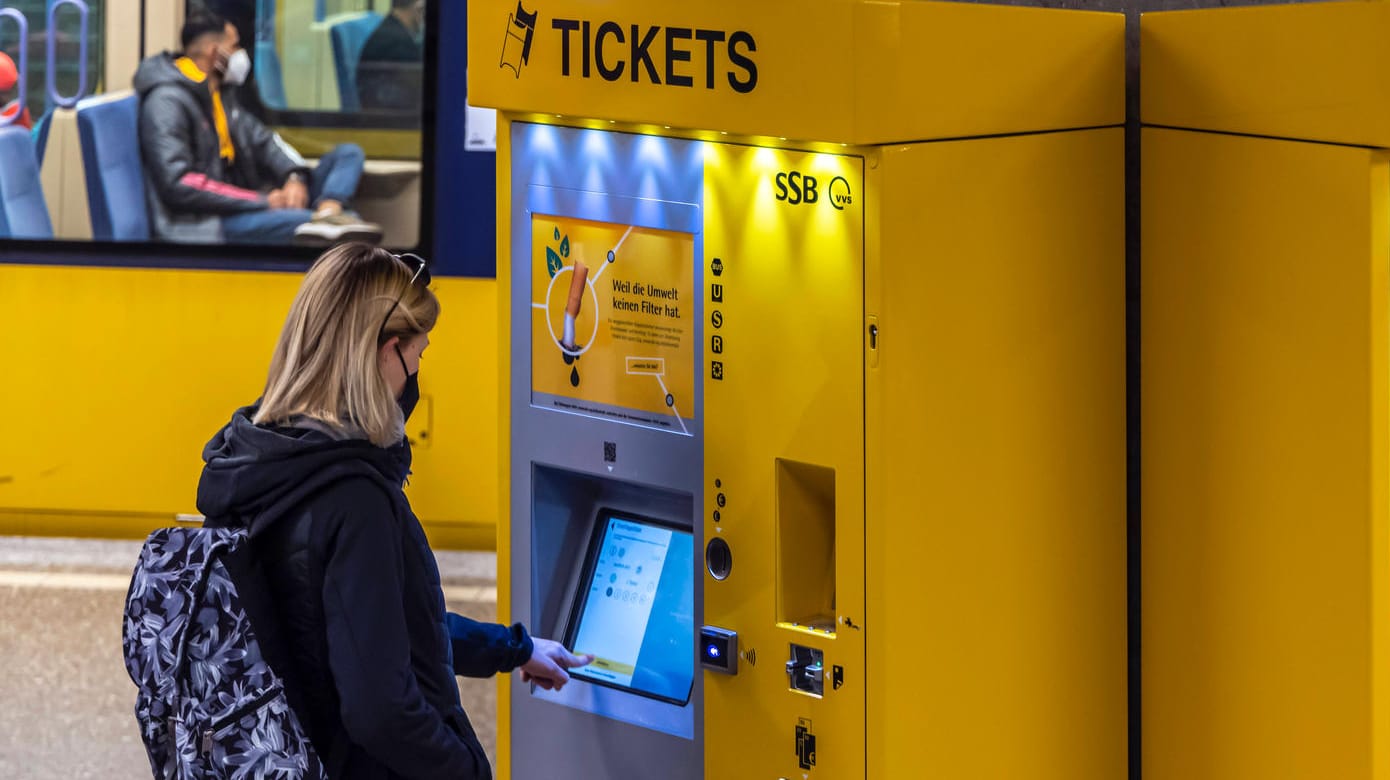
[23, 213]
[109, 129]
[349, 37]
[269, 80]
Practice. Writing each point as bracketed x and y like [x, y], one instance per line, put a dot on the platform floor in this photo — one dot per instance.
[66, 702]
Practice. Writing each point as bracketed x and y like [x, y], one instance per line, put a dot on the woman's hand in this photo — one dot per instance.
[549, 660]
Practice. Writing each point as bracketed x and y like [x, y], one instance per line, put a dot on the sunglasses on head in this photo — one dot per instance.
[417, 264]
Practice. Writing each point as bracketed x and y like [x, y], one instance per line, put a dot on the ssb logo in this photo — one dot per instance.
[796, 188]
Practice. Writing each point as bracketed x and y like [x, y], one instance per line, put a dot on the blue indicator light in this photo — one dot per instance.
[712, 651]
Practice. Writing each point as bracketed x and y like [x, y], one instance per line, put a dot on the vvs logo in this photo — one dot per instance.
[839, 193]
[516, 44]
[795, 188]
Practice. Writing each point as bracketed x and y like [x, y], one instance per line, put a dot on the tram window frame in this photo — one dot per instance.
[40, 38]
[155, 253]
[362, 119]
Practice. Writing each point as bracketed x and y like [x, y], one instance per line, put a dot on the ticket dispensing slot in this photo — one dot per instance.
[806, 670]
[805, 545]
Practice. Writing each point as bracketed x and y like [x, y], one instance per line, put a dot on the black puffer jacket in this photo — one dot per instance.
[189, 184]
[372, 651]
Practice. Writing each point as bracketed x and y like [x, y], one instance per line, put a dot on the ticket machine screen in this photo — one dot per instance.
[635, 610]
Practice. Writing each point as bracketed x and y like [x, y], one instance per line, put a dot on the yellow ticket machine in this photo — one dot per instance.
[1266, 355]
[813, 421]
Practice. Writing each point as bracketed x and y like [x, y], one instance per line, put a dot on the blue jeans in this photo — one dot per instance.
[335, 178]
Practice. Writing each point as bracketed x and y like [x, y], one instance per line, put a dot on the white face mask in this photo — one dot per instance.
[237, 69]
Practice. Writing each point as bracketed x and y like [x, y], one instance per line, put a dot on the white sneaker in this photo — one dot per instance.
[336, 228]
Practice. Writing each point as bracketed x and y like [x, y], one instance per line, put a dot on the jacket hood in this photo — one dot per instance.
[159, 69]
[253, 475]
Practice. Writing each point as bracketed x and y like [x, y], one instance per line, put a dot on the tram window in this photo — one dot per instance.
[327, 71]
[67, 58]
[342, 160]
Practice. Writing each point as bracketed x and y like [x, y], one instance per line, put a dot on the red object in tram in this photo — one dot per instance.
[9, 74]
[9, 77]
[25, 121]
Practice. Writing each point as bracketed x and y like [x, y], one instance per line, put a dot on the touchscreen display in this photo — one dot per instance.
[636, 608]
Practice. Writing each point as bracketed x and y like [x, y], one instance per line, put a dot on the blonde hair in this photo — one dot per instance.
[325, 363]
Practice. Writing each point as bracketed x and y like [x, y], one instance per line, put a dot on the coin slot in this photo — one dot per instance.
[719, 559]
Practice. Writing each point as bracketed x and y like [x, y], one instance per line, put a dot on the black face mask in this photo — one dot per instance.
[410, 395]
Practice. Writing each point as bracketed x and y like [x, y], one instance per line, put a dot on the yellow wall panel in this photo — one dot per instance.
[1300, 70]
[1264, 412]
[996, 477]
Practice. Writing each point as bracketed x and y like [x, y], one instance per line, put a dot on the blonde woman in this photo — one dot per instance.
[314, 471]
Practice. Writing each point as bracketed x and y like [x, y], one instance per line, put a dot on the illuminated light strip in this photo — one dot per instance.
[68, 580]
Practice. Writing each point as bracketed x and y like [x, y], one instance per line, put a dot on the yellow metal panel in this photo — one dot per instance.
[126, 375]
[1264, 461]
[1380, 466]
[1304, 70]
[109, 525]
[948, 70]
[792, 388]
[118, 377]
[849, 71]
[503, 384]
[455, 467]
[996, 460]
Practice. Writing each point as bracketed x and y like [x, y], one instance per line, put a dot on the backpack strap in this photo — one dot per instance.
[195, 597]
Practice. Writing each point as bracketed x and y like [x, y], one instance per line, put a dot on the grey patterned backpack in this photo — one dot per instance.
[209, 704]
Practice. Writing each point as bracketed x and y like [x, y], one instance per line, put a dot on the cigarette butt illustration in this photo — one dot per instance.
[576, 300]
[581, 274]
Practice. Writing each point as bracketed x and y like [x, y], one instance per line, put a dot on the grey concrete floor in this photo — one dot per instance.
[66, 702]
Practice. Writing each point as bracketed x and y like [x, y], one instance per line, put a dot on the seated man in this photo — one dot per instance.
[389, 70]
[217, 171]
